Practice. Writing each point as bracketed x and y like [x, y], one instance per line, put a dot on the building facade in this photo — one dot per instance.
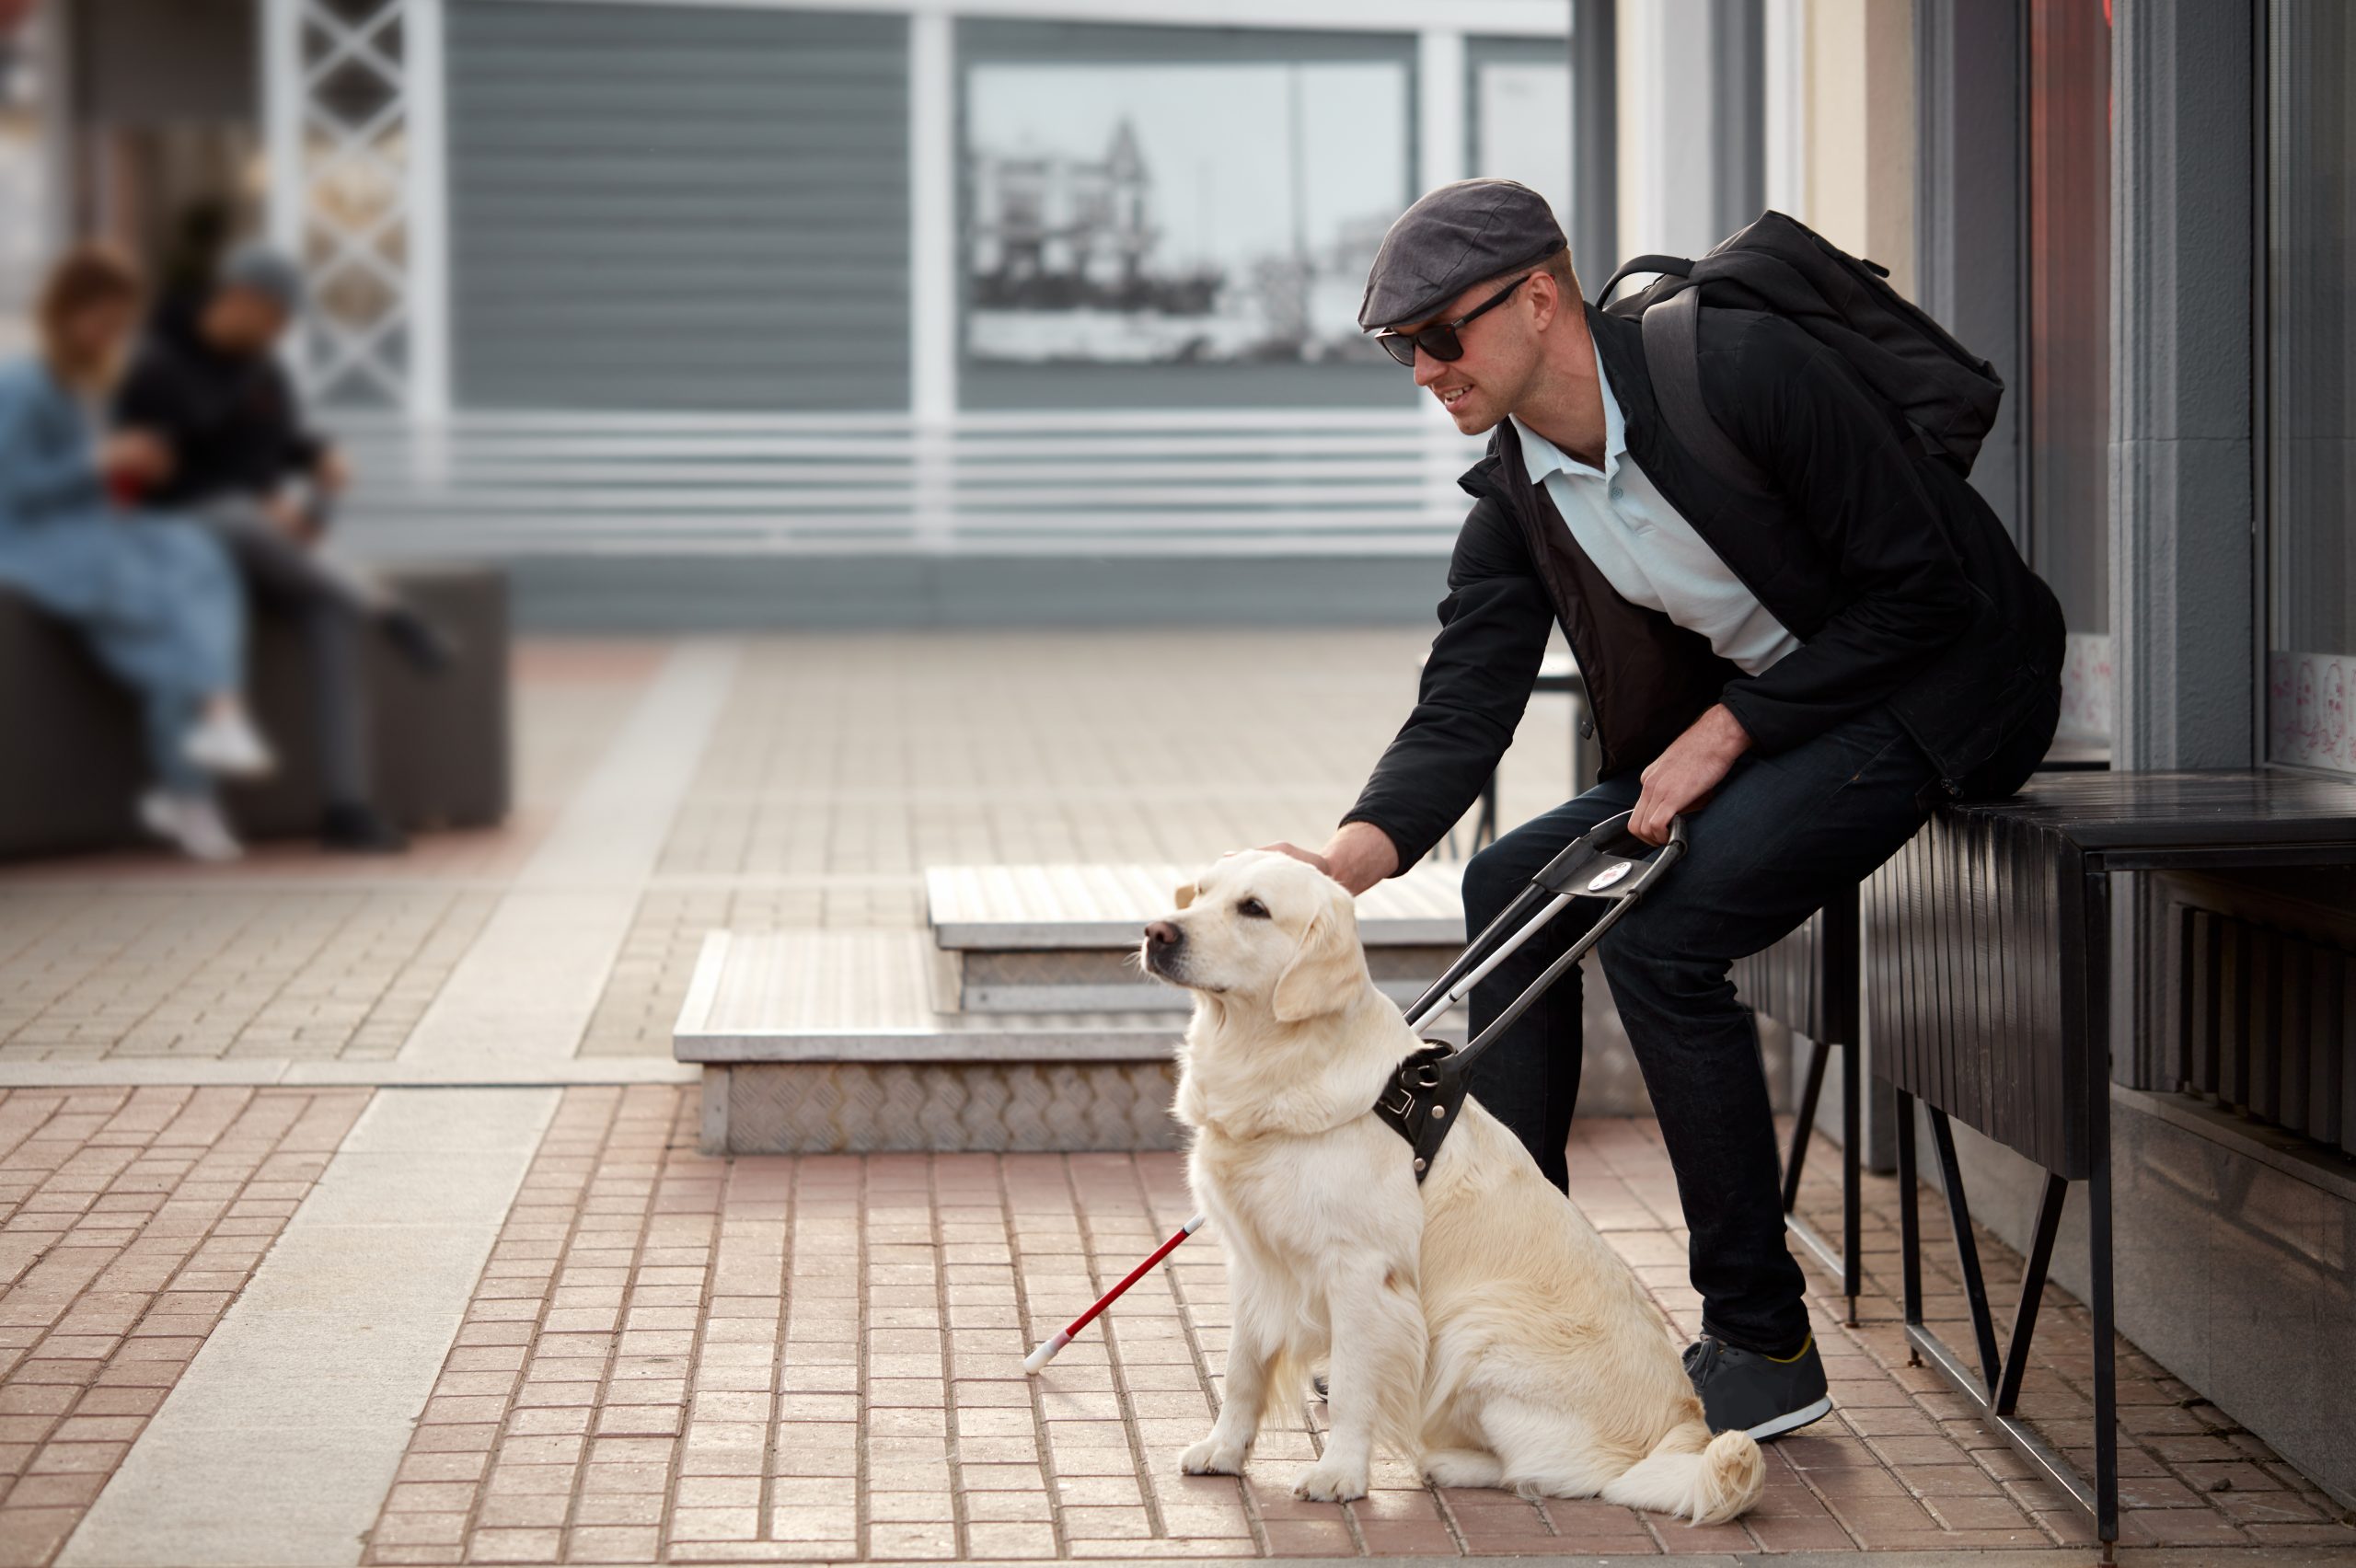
[836, 293]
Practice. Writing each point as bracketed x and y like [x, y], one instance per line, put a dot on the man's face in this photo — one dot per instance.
[1486, 383]
[241, 320]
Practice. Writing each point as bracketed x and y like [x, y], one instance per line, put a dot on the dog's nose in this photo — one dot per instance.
[1161, 934]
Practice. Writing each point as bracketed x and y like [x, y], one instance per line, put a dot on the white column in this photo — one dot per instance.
[1786, 106]
[428, 202]
[282, 97]
[1667, 186]
[1442, 135]
[932, 265]
[1441, 127]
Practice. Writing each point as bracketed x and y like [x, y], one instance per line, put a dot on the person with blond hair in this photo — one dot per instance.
[155, 597]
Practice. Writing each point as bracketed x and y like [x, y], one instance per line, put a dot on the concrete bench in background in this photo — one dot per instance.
[76, 765]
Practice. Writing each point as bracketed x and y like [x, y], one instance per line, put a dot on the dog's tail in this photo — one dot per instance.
[1709, 1480]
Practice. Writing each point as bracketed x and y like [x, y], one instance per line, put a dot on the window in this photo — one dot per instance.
[2067, 405]
[1171, 216]
[2309, 437]
[1519, 124]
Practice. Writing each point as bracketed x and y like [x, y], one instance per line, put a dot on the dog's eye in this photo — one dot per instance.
[1254, 908]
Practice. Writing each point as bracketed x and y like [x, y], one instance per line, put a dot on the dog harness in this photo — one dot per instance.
[1423, 1100]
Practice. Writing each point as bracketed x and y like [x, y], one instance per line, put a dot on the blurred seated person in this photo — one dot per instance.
[208, 382]
[155, 597]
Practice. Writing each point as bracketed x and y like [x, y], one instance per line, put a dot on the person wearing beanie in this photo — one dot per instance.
[207, 383]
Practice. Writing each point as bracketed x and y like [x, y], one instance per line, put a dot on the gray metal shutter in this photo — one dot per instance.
[660, 207]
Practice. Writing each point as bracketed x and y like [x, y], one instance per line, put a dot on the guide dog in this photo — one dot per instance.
[1478, 1324]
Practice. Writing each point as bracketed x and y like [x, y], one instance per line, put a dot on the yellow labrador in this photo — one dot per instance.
[1477, 1325]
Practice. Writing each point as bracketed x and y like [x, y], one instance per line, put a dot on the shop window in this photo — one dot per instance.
[1173, 216]
[2067, 399]
[2309, 395]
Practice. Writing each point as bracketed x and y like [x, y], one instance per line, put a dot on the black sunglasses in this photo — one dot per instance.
[1439, 339]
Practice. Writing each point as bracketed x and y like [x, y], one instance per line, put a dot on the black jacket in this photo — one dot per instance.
[231, 419]
[1898, 581]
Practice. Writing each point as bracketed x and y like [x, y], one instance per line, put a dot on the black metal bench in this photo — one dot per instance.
[1988, 998]
[1809, 983]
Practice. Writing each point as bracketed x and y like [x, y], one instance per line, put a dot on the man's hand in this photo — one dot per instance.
[1681, 777]
[1358, 856]
[332, 472]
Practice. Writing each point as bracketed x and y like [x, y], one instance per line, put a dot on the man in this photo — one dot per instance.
[1800, 674]
[208, 383]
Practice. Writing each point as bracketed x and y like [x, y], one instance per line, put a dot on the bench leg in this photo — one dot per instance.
[1910, 1227]
[1967, 1247]
[2106, 1351]
[1853, 1262]
[1995, 1386]
[1849, 1264]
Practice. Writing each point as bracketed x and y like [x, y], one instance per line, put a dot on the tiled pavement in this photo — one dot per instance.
[133, 1217]
[686, 1359]
[670, 1357]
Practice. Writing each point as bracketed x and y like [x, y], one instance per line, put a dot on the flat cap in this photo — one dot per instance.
[1450, 240]
[270, 273]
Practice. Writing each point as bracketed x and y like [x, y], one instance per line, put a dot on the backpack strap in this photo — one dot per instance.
[1668, 266]
[1421, 1102]
[1673, 355]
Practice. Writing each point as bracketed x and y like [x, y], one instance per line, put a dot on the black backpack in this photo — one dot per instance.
[1946, 395]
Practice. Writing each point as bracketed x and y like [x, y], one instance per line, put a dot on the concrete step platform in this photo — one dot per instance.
[1032, 938]
[829, 1041]
[1035, 909]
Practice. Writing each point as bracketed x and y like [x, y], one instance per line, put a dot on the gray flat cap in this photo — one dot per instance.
[270, 273]
[1450, 240]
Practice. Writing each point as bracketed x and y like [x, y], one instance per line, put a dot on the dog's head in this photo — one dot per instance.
[1262, 928]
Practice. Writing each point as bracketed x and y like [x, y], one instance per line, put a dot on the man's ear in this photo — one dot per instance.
[1185, 895]
[1326, 973]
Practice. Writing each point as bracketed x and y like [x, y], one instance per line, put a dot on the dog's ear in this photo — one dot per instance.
[1185, 895]
[1326, 973]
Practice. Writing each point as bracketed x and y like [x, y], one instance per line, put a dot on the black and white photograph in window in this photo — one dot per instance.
[1195, 212]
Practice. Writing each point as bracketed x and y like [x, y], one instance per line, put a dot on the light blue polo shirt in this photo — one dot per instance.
[1645, 550]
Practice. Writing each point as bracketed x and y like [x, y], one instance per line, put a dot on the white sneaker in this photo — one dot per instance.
[192, 823]
[227, 744]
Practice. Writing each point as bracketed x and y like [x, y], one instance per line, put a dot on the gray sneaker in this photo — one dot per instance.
[1744, 1391]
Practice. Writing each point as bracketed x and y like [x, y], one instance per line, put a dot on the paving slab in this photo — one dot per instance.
[278, 1445]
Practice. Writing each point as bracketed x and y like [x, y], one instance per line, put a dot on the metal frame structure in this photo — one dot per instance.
[1833, 958]
[2019, 1046]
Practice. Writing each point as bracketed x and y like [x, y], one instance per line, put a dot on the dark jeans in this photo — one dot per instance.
[282, 572]
[1783, 835]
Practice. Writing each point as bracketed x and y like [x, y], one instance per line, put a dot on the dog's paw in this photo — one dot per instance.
[1212, 1455]
[1462, 1467]
[1329, 1483]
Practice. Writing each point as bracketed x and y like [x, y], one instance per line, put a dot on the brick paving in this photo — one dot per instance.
[676, 1359]
[223, 974]
[681, 1358]
[844, 766]
[132, 1217]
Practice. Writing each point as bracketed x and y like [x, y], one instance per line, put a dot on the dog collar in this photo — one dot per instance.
[1423, 1101]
